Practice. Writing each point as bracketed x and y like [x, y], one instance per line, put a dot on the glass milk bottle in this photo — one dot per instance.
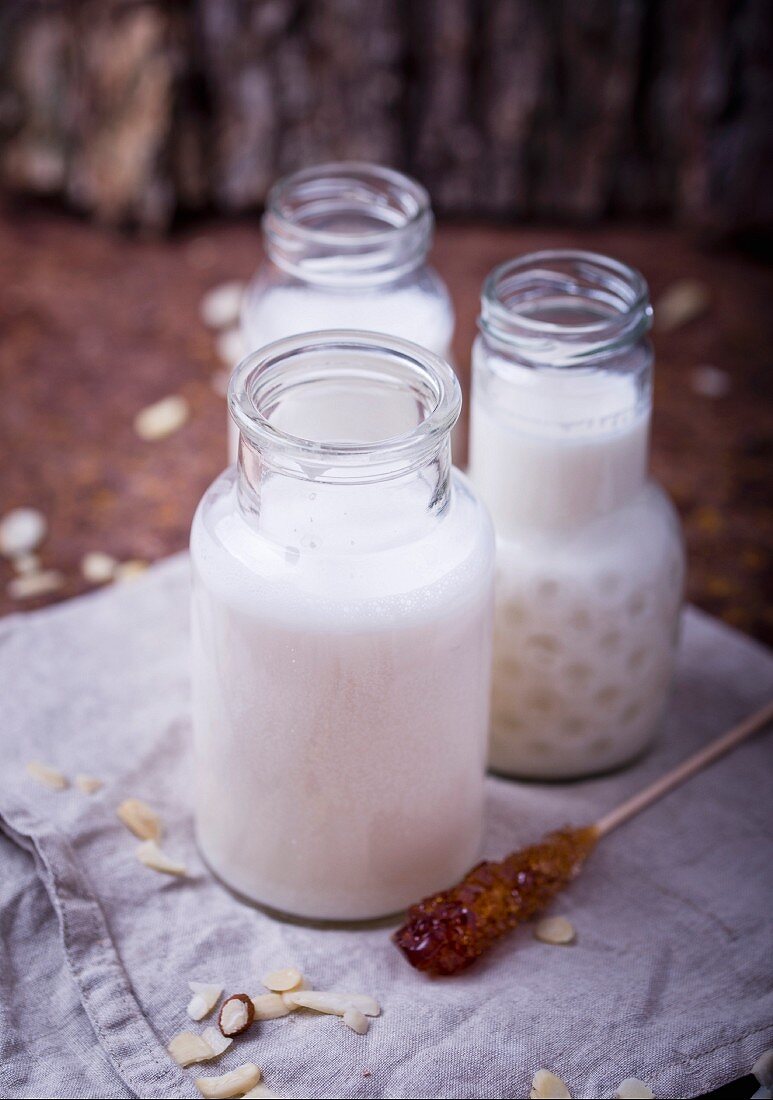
[346, 247]
[342, 622]
[589, 555]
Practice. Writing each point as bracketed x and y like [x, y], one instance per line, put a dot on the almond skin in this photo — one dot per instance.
[225, 1024]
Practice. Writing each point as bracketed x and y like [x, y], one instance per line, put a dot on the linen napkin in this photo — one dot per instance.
[670, 978]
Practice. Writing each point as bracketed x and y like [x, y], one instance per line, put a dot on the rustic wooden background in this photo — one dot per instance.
[95, 326]
[137, 110]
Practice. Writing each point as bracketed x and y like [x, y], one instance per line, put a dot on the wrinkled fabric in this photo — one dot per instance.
[669, 980]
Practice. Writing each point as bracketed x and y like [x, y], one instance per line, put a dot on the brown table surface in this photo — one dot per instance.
[94, 326]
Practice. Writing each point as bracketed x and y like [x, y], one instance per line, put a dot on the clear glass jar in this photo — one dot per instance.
[342, 620]
[346, 247]
[590, 563]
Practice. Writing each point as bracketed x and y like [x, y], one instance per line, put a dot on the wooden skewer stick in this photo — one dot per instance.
[684, 771]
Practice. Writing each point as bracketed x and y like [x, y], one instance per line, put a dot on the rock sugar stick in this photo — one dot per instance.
[447, 932]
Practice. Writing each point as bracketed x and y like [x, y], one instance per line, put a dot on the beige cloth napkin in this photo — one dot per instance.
[670, 979]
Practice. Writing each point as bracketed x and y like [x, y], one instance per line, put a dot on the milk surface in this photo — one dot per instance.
[341, 695]
[408, 312]
[589, 571]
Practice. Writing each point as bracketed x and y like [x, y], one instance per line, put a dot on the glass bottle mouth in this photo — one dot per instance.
[564, 307]
[344, 406]
[348, 223]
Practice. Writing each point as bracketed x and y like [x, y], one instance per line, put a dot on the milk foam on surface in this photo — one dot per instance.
[590, 569]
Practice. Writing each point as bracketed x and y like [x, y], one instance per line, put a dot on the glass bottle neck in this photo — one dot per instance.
[303, 515]
[562, 391]
[348, 225]
[344, 438]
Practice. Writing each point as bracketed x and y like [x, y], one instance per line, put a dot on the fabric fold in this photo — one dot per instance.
[668, 980]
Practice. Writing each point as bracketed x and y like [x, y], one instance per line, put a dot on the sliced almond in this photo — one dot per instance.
[219, 1042]
[235, 1083]
[187, 1048]
[634, 1089]
[680, 303]
[270, 1006]
[24, 564]
[151, 856]
[547, 1086]
[162, 418]
[29, 585]
[230, 347]
[138, 817]
[763, 1069]
[283, 981]
[291, 1007]
[557, 930]
[220, 306]
[356, 1020]
[47, 777]
[21, 531]
[236, 1014]
[205, 997]
[98, 568]
[130, 570]
[89, 784]
[261, 1090]
[336, 1004]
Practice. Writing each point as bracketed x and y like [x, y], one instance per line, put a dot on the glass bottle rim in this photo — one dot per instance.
[344, 354]
[348, 222]
[615, 295]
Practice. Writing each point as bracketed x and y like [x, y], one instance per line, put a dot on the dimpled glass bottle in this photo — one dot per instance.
[346, 247]
[342, 621]
[590, 561]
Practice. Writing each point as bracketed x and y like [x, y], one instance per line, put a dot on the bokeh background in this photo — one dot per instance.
[137, 144]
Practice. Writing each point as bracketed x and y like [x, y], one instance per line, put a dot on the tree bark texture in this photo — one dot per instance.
[135, 110]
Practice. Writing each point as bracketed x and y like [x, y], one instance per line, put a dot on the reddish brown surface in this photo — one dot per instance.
[93, 327]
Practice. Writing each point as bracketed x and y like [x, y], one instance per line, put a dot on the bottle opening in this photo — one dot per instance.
[348, 223]
[344, 405]
[562, 307]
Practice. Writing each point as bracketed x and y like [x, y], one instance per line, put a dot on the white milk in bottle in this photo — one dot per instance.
[346, 247]
[589, 556]
[342, 617]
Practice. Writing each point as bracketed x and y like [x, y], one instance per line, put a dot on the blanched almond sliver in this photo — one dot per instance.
[130, 570]
[355, 1019]
[24, 564]
[763, 1069]
[151, 856]
[205, 997]
[89, 784]
[138, 817]
[283, 981]
[235, 1083]
[220, 306]
[161, 419]
[219, 1042]
[634, 1089]
[270, 1006]
[546, 1086]
[557, 930]
[187, 1048]
[335, 1004]
[290, 1005]
[29, 585]
[47, 777]
[21, 531]
[98, 568]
